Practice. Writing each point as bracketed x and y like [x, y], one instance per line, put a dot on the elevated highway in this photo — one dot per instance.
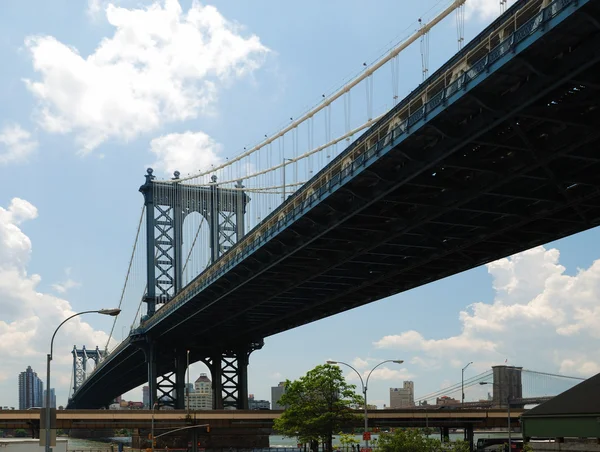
[141, 419]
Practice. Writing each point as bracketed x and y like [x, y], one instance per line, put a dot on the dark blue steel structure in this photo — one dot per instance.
[502, 156]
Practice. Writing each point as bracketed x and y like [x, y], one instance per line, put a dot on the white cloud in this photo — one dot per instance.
[66, 285]
[193, 151]
[381, 373]
[541, 318]
[161, 65]
[29, 317]
[16, 144]
[360, 363]
[484, 9]
[94, 7]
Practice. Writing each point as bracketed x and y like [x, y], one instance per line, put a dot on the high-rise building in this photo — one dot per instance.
[146, 397]
[276, 393]
[403, 397]
[202, 396]
[31, 389]
[52, 399]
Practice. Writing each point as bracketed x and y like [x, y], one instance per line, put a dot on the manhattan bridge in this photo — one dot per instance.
[371, 192]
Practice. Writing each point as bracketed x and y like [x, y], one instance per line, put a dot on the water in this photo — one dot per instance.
[78, 444]
[274, 440]
[280, 441]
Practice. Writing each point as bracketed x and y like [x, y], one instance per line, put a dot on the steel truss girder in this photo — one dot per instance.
[486, 121]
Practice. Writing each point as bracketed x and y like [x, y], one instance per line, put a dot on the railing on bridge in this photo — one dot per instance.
[434, 93]
[441, 89]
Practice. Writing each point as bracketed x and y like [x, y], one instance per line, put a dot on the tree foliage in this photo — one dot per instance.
[414, 440]
[317, 405]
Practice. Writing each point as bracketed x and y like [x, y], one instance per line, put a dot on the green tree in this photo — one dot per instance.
[317, 405]
[460, 446]
[20, 433]
[407, 440]
[347, 440]
[414, 440]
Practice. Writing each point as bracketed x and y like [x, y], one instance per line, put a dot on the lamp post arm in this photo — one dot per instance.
[364, 387]
[369, 376]
[63, 322]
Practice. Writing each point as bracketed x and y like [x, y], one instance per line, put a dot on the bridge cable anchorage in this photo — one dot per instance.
[129, 267]
[328, 100]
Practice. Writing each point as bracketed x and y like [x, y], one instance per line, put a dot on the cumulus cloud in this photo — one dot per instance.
[16, 144]
[161, 65]
[193, 151]
[484, 9]
[29, 316]
[541, 318]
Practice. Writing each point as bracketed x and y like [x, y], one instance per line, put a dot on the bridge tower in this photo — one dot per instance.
[508, 384]
[80, 359]
[167, 204]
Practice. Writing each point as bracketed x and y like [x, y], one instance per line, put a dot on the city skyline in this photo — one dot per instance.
[69, 200]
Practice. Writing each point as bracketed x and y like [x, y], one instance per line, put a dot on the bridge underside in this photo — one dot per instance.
[513, 163]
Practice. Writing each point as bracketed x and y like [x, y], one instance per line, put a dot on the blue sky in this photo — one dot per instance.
[74, 147]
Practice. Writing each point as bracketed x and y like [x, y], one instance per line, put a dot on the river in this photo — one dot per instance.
[274, 440]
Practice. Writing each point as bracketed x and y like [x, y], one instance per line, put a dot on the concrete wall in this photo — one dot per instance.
[29, 445]
[567, 447]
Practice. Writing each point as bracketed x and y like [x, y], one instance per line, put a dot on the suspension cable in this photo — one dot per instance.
[137, 235]
[337, 94]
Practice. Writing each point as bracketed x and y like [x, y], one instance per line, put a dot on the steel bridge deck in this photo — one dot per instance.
[511, 163]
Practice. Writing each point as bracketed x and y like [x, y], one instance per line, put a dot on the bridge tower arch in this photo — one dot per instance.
[167, 204]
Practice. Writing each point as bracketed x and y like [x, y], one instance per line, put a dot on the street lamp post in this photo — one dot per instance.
[152, 425]
[364, 385]
[111, 312]
[187, 386]
[462, 383]
[507, 409]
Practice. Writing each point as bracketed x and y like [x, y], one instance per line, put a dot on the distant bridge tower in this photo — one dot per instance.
[80, 359]
[508, 384]
[167, 205]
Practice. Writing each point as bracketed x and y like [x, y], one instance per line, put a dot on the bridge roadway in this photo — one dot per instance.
[222, 419]
[502, 157]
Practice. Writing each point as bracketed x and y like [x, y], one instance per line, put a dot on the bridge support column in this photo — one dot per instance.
[180, 369]
[469, 437]
[150, 352]
[229, 371]
[445, 433]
